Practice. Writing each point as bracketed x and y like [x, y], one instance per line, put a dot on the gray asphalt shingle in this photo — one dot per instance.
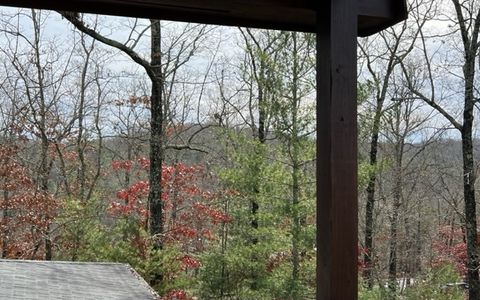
[45, 280]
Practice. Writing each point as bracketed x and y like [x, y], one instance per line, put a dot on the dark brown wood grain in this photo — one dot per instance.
[299, 15]
[336, 151]
[377, 15]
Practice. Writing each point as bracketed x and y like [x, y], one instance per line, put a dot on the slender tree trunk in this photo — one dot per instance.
[44, 176]
[224, 242]
[397, 199]
[156, 225]
[261, 137]
[295, 227]
[392, 262]
[373, 158]
[469, 175]
[370, 205]
[259, 70]
[99, 142]
[470, 214]
[126, 173]
[155, 202]
[44, 169]
[418, 246]
[4, 221]
[81, 176]
[470, 44]
[296, 171]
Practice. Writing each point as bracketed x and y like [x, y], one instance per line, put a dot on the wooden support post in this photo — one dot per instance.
[337, 206]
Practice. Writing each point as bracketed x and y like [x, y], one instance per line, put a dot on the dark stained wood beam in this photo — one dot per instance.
[336, 173]
[376, 15]
[298, 15]
[270, 14]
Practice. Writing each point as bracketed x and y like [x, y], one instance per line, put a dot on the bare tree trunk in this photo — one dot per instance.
[470, 213]
[44, 170]
[471, 48]
[81, 143]
[370, 205]
[98, 129]
[295, 156]
[156, 136]
[259, 69]
[5, 232]
[397, 196]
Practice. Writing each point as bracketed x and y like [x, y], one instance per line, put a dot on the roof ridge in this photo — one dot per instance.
[63, 262]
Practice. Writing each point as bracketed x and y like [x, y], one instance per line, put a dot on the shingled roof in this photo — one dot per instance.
[24, 279]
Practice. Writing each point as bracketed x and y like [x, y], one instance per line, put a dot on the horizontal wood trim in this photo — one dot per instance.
[285, 15]
[298, 15]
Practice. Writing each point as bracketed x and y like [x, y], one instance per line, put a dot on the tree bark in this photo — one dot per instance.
[397, 201]
[155, 202]
[370, 205]
[470, 209]
[471, 48]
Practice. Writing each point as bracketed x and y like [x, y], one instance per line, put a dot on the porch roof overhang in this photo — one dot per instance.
[294, 15]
